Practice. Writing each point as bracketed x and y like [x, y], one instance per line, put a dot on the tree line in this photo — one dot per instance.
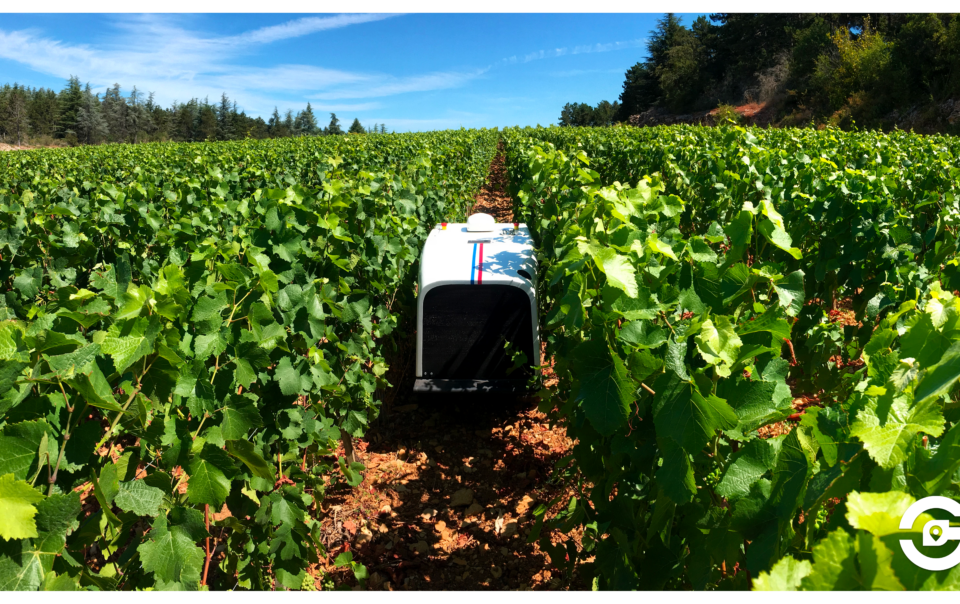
[835, 68]
[76, 115]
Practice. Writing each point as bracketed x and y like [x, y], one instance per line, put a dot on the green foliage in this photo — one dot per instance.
[838, 68]
[726, 114]
[729, 245]
[582, 114]
[220, 311]
[854, 64]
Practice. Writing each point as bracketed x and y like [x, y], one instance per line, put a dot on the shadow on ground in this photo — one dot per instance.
[451, 484]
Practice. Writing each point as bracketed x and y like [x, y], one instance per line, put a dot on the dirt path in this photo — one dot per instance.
[451, 484]
[494, 198]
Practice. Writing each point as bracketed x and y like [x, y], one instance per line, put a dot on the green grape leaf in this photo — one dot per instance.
[95, 389]
[239, 417]
[127, 349]
[605, 390]
[876, 564]
[138, 497]
[169, 549]
[682, 414]
[25, 564]
[789, 476]
[618, 269]
[245, 451]
[210, 475]
[752, 462]
[758, 402]
[888, 423]
[207, 308]
[940, 378]
[700, 250]
[779, 237]
[880, 513]
[675, 476]
[642, 334]
[288, 377]
[786, 575]
[718, 344]
[17, 510]
[59, 513]
[790, 292]
[834, 564]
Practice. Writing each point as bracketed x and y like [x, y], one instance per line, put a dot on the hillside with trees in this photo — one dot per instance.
[880, 71]
[76, 115]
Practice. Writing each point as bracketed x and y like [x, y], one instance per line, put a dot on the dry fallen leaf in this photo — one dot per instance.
[428, 513]
[350, 526]
[222, 514]
[475, 509]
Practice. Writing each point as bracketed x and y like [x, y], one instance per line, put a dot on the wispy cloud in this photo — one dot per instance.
[580, 72]
[168, 54]
[575, 50]
[381, 86]
[346, 106]
[182, 63]
[302, 27]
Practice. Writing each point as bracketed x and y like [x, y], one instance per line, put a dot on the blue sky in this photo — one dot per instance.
[411, 72]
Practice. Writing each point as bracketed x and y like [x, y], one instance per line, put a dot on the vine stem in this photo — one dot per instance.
[206, 520]
[116, 420]
[52, 479]
[202, 419]
[664, 315]
[229, 321]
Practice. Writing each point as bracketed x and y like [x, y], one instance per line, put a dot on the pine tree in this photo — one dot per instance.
[274, 123]
[207, 122]
[137, 116]
[307, 121]
[91, 125]
[224, 121]
[17, 122]
[114, 109]
[42, 111]
[640, 91]
[355, 127]
[334, 127]
[69, 100]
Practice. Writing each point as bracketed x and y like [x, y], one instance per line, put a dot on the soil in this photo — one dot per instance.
[450, 485]
[494, 198]
[844, 315]
[6, 147]
[751, 114]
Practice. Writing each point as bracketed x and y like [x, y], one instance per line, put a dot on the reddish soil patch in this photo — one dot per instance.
[493, 198]
[6, 147]
[448, 496]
